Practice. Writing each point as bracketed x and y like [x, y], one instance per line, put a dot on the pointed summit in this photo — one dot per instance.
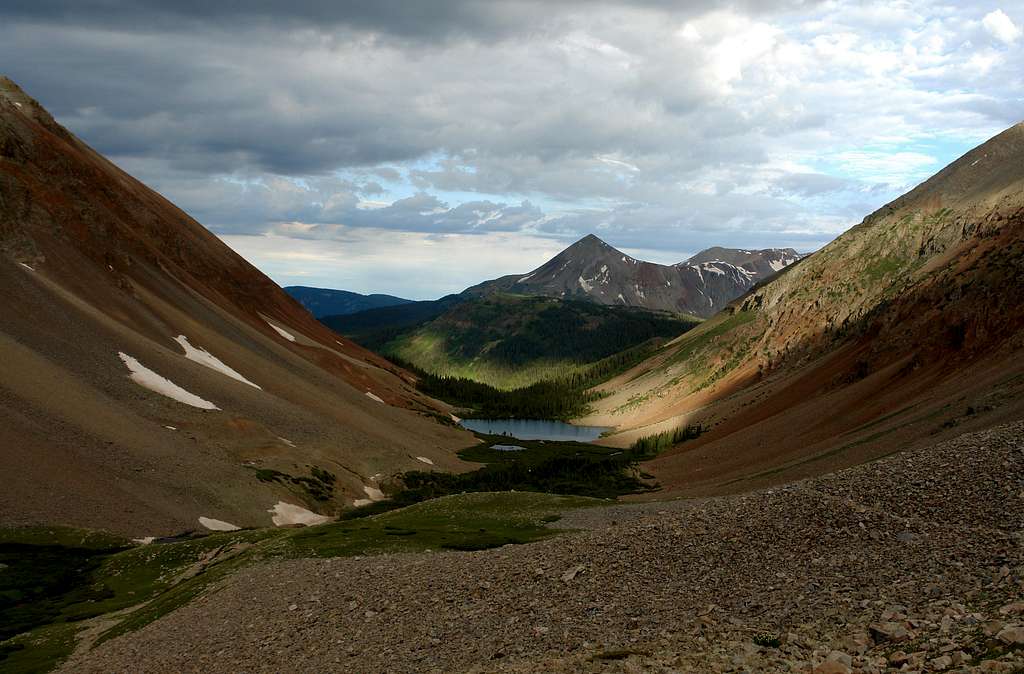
[590, 269]
[592, 244]
[591, 239]
[12, 94]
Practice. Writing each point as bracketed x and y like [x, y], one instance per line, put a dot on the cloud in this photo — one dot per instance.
[426, 213]
[415, 265]
[811, 184]
[686, 124]
[435, 21]
[885, 167]
[1001, 26]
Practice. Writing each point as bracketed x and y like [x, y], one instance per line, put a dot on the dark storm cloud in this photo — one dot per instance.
[702, 122]
[416, 19]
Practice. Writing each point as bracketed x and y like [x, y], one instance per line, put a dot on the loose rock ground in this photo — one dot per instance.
[914, 562]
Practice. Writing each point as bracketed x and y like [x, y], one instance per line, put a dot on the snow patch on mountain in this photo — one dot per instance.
[205, 358]
[284, 514]
[281, 331]
[146, 378]
[217, 525]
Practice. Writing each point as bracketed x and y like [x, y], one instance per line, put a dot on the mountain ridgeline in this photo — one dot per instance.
[589, 270]
[547, 328]
[592, 270]
[373, 328]
[325, 302]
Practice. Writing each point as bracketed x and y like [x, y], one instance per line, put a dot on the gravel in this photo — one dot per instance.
[914, 562]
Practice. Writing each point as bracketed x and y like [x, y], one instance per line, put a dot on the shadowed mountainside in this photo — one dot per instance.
[101, 275]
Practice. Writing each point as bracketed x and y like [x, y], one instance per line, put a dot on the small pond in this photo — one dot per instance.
[535, 429]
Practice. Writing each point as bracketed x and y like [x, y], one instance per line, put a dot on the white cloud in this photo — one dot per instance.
[1001, 27]
[413, 265]
[896, 168]
[675, 125]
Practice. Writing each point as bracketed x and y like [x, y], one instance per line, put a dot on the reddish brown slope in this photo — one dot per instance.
[102, 213]
[92, 264]
[908, 326]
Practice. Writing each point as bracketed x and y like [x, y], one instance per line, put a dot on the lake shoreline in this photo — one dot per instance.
[535, 429]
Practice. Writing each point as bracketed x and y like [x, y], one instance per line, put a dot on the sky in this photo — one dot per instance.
[416, 148]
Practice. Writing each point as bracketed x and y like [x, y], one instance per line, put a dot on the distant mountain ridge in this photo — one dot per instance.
[761, 263]
[327, 302]
[509, 341]
[373, 328]
[591, 269]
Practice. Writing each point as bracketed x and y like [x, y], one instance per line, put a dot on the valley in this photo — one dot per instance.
[750, 460]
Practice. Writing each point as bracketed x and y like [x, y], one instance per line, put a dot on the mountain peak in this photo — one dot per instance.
[985, 174]
[589, 241]
[13, 95]
[7, 85]
[761, 263]
[592, 270]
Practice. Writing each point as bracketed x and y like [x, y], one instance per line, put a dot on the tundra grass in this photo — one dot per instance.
[701, 337]
[544, 467]
[158, 578]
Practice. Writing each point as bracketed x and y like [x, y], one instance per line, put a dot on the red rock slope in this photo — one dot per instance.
[94, 264]
[907, 327]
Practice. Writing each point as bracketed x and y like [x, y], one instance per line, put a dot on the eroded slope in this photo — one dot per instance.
[113, 300]
[911, 320]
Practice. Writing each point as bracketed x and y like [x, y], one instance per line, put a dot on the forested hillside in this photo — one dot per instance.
[510, 341]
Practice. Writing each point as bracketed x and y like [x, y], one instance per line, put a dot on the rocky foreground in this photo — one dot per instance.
[911, 563]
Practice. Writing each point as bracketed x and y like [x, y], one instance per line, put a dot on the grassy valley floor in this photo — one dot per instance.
[61, 585]
[911, 562]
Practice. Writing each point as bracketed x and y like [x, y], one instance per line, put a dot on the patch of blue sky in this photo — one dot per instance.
[898, 164]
